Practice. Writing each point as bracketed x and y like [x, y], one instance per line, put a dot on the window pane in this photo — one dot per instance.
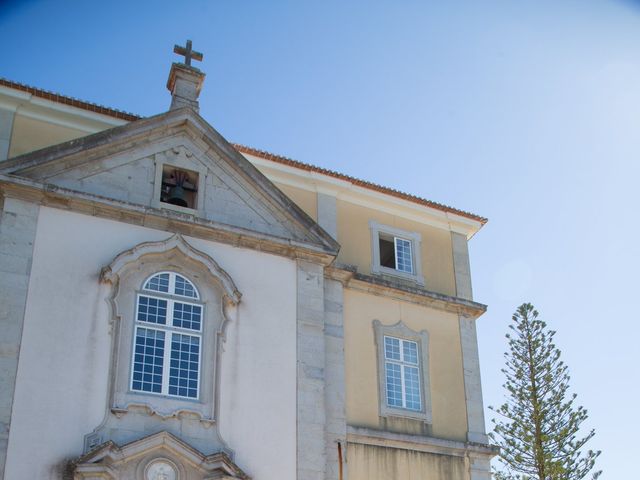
[158, 283]
[412, 388]
[185, 288]
[410, 352]
[394, 384]
[152, 310]
[187, 316]
[404, 263]
[391, 348]
[147, 360]
[183, 372]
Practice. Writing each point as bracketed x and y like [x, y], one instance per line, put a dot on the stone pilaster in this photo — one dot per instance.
[472, 383]
[18, 223]
[311, 413]
[479, 467]
[461, 266]
[336, 421]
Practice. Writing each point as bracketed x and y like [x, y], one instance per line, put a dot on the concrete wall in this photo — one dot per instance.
[446, 373]
[61, 386]
[354, 237]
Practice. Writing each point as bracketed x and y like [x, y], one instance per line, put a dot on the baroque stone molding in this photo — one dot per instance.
[110, 273]
[132, 414]
[161, 456]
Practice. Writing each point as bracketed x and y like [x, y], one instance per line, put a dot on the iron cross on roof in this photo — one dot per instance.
[188, 53]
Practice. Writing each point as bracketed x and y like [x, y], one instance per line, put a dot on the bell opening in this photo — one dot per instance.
[179, 187]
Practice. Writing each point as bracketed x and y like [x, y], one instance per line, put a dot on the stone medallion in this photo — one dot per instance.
[161, 470]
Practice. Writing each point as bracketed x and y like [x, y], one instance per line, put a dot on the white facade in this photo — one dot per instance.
[61, 388]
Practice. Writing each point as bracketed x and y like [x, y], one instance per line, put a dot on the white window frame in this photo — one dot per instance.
[169, 330]
[415, 240]
[401, 332]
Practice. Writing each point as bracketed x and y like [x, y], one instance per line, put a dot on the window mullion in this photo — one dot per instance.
[166, 361]
[402, 383]
[172, 283]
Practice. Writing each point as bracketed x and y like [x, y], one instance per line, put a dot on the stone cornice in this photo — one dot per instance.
[161, 219]
[419, 443]
[350, 278]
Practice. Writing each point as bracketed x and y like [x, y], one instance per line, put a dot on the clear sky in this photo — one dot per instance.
[527, 112]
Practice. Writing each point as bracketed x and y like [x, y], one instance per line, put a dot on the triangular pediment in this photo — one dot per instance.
[129, 164]
[160, 456]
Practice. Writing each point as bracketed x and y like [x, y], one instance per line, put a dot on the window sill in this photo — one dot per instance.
[393, 274]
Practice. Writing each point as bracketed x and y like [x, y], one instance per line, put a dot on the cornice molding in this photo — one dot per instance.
[351, 279]
[161, 219]
[419, 443]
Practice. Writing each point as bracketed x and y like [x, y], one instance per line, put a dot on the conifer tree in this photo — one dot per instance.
[537, 428]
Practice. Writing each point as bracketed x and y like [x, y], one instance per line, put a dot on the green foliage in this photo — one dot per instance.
[537, 428]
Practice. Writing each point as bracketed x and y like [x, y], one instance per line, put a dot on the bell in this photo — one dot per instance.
[177, 197]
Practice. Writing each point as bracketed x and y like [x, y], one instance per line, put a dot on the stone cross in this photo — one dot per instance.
[188, 53]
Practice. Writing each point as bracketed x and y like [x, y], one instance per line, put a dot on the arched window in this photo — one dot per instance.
[168, 337]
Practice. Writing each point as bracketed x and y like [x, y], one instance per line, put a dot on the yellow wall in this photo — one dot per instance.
[366, 462]
[30, 134]
[361, 364]
[354, 237]
[305, 199]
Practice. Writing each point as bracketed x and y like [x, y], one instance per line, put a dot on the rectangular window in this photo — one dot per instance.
[395, 252]
[402, 373]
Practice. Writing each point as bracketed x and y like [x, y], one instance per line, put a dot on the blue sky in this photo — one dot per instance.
[527, 112]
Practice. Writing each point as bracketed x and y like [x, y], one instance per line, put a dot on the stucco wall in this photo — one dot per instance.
[64, 360]
[367, 462]
[307, 200]
[354, 237]
[445, 364]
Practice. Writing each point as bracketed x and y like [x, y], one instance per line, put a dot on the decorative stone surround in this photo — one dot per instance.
[131, 415]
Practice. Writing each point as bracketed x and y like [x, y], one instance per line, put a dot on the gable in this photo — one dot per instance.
[127, 164]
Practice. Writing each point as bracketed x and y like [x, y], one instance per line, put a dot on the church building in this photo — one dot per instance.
[174, 306]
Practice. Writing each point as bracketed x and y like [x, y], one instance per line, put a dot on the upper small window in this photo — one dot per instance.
[395, 252]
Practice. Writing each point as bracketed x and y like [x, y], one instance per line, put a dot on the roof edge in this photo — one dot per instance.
[130, 117]
[357, 181]
[73, 102]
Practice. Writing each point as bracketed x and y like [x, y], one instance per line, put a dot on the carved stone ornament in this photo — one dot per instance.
[160, 470]
[161, 456]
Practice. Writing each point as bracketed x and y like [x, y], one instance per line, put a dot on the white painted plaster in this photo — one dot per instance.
[61, 388]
